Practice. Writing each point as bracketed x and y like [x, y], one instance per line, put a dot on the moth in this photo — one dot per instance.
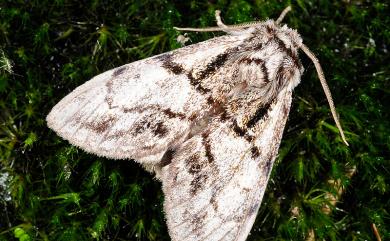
[207, 119]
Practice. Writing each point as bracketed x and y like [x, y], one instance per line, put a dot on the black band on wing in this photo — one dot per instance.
[259, 114]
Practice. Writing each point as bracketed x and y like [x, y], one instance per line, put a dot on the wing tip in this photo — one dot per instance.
[53, 124]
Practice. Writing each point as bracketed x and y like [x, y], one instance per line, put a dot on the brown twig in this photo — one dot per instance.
[376, 232]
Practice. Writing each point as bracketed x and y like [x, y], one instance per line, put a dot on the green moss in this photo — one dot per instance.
[50, 190]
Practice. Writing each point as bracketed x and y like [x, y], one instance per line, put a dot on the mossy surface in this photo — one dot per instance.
[319, 189]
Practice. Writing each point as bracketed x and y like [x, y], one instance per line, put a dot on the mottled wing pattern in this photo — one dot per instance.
[207, 118]
[141, 109]
[215, 183]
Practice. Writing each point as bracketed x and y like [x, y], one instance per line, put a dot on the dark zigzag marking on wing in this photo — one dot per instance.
[241, 131]
[217, 191]
[168, 112]
[211, 68]
[170, 65]
[215, 184]
[178, 69]
[237, 129]
[259, 114]
[207, 147]
[167, 158]
[159, 129]
[214, 65]
[255, 152]
[194, 165]
[100, 126]
[196, 83]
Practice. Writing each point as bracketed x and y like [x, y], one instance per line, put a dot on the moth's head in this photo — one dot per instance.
[271, 31]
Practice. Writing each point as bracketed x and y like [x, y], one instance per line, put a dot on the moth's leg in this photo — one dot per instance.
[233, 29]
[283, 14]
[219, 21]
[153, 169]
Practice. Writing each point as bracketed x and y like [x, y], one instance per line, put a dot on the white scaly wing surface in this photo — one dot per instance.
[140, 109]
[214, 187]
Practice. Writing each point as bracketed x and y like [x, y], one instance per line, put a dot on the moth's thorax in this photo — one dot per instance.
[266, 62]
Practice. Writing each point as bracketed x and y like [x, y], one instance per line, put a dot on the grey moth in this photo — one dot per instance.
[207, 119]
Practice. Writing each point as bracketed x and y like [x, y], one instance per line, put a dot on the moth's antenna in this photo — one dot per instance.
[283, 14]
[321, 76]
[209, 29]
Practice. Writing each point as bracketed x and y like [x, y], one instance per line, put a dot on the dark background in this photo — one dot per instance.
[319, 189]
